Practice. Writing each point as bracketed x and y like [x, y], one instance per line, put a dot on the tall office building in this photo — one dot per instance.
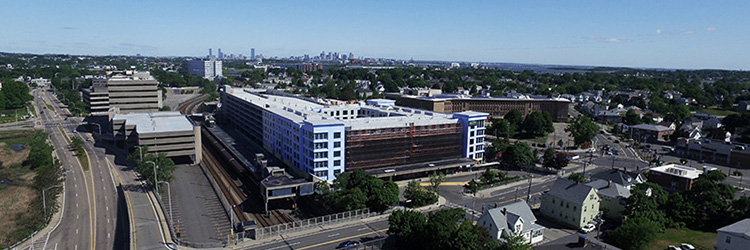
[131, 92]
[171, 133]
[209, 53]
[221, 55]
[324, 140]
[252, 53]
[205, 68]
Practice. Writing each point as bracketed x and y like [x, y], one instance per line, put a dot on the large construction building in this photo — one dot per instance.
[170, 132]
[129, 92]
[324, 139]
[496, 107]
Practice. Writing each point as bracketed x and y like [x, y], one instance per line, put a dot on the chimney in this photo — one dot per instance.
[609, 183]
[505, 211]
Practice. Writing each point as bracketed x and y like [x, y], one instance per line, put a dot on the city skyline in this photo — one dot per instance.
[669, 34]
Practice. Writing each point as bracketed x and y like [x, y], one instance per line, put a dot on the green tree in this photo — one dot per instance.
[635, 233]
[583, 129]
[548, 157]
[165, 108]
[419, 195]
[577, 178]
[514, 117]
[435, 180]
[515, 242]
[163, 164]
[407, 226]
[631, 118]
[488, 177]
[518, 154]
[538, 124]
[356, 189]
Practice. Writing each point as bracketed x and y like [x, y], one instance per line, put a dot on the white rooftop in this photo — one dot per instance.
[678, 170]
[300, 111]
[156, 122]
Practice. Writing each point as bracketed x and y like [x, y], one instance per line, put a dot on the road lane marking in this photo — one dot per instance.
[364, 228]
[342, 239]
[76, 230]
[336, 234]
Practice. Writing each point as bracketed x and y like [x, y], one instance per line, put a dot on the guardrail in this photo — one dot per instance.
[312, 222]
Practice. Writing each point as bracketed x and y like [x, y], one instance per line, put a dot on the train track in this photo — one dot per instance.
[188, 107]
[222, 165]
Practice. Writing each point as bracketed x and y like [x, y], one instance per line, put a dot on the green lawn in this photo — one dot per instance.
[10, 114]
[715, 111]
[699, 239]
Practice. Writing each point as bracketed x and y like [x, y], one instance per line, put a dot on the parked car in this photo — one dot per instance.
[671, 247]
[687, 246]
[588, 228]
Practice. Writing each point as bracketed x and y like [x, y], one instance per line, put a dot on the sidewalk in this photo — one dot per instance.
[42, 235]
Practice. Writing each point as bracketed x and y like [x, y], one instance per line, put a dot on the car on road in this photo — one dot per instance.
[348, 244]
[687, 246]
[588, 228]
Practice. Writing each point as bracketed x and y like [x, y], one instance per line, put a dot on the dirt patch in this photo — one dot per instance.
[9, 156]
[15, 200]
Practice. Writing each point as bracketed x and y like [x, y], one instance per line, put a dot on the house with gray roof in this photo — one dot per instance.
[512, 219]
[734, 237]
[612, 197]
[625, 179]
[570, 203]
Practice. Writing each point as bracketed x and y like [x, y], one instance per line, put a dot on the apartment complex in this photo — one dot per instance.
[206, 68]
[129, 92]
[171, 133]
[325, 138]
[558, 108]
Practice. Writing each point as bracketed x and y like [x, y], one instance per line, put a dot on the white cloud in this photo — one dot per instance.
[710, 29]
[688, 32]
[658, 32]
[608, 39]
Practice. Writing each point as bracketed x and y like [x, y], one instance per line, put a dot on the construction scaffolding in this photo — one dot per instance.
[373, 148]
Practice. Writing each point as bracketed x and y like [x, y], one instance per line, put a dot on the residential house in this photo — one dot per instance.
[612, 197]
[624, 178]
[512, 219]
[743, 106]
[609, 116]
[576, 241]
[734, 237]
[570, 203]
[649, 132]
[674, 177]
[668, 124]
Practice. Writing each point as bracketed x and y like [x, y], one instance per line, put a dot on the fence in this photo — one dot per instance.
[312, 222]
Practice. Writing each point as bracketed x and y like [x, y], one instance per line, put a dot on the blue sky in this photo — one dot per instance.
[664, 34]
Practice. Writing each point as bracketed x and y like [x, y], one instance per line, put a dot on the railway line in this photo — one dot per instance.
[188, 107]
[233, 180]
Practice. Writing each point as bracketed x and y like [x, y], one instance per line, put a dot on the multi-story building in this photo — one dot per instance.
[716, 151]
[131, 92]
[558, 108]
[171, 133]
[570, 203]
[323, 139]
[649, 132]
[204, 68]
[674, 177]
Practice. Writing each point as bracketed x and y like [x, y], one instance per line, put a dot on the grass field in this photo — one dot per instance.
[699, 239]
[10, 114]
[16, 197]
[715, 111]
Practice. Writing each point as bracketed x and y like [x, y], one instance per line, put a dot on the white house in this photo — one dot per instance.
[515, 218]
[734, 237]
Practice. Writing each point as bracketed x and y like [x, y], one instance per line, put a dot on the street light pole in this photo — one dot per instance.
[169, 193]
[156, 185]
[44, 200]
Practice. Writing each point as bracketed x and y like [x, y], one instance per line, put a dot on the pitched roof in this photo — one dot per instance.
[740, 228]
[516, 211]
[651, 127]
[570, 242]
[617, 176]
[615, 190]
[570, 190]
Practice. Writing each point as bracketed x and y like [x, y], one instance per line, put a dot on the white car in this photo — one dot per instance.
[671, 247]
[588, 228]
[687, 246]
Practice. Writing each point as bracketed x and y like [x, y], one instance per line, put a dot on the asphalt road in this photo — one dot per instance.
[331, 239]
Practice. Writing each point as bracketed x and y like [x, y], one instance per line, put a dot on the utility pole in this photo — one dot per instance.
[613, 161]
[528, 198]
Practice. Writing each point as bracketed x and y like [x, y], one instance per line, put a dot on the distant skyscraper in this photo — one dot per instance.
[221, 55]
[209, 53]
[252, 53]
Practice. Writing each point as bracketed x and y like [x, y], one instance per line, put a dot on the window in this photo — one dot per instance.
[728, 240]
[320, 136]
[471, 141]
[553, 201]
[337, 163]
[320, 145]
[472, 133]
[321, 155]
[337, 135]
[321, 164]
[336, 172]
[337, 144]
[479, 147]
[574, 207]
[336, 153]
